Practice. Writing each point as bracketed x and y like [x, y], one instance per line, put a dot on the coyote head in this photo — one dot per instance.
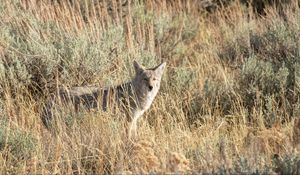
[147, 82]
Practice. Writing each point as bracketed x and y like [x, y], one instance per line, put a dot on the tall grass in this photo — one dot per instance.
[227, 104]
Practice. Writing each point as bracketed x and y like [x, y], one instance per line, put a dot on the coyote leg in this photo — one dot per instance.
[133, 125]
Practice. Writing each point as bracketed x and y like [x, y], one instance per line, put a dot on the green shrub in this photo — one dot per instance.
[260, 84]
[267, 73]
[19, 144]
[288, 164]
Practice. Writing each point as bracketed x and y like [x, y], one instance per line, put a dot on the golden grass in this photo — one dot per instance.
[187, 129]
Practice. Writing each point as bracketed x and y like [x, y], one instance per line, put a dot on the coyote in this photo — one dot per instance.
[133, 98]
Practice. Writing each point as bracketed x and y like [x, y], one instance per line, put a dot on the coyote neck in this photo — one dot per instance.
[143, 98]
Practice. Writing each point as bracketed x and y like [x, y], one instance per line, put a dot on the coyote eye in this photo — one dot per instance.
[145, 79]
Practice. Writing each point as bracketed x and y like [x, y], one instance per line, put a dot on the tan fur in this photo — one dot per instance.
[133, 98]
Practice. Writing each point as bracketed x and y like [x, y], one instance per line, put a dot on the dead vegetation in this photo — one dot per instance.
[229, 101]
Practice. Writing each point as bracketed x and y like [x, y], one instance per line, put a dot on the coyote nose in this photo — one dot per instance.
[150, 88]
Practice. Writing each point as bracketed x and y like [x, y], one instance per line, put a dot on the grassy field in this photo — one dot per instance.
[229, 101]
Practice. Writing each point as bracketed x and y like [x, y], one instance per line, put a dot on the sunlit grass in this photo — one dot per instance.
[227, 104]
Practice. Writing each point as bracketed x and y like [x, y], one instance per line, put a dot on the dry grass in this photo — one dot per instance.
[228, 100]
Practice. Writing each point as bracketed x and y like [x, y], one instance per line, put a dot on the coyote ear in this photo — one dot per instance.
[160, 68]
[138, 68]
